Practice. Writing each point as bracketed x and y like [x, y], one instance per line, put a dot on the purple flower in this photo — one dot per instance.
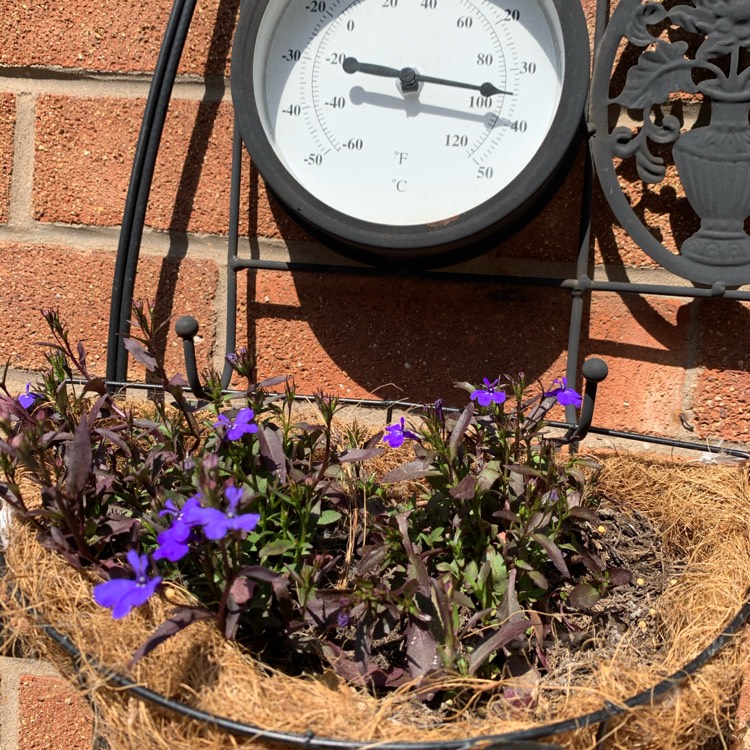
[239, 357]
[27, 399]
[174, 541]
[241, 425]
[488, 395]
[122, 594]
[439, 404]
[217, 524]
[395, 434]
[343, 619]
[565, 396]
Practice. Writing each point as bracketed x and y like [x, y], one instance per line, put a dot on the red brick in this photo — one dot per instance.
[663, 209]
[645, 344]
[410, 340]
[7, 122]
[613, 246]
[721, 401]
[84, 156]
[85, 151]
[553, 229]
[120, 36]
[52, 715]
[79, 284]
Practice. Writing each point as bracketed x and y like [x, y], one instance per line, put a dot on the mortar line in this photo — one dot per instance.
[122, 87]
[12, 669]
[9, 687]
[20, 210]
[157, 243]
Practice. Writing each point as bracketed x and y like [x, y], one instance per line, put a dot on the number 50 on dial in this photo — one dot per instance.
[415, 132]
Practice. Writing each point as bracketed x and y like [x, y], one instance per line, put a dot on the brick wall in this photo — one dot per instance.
[41, 711]
[73, 81]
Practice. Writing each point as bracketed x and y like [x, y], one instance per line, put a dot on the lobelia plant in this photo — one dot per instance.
[494, 547]
[284, 534]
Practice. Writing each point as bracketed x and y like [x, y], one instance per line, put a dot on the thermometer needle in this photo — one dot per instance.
[409, 77]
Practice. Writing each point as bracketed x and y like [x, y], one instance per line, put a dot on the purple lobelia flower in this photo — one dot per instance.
[565, 396]
[174, 541]
[122, 594]
[488, 395]
[395, 434]
[28, 399]
[241, 425]
[217, 524]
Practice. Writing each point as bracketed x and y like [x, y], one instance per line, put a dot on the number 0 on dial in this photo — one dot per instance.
[409, 131]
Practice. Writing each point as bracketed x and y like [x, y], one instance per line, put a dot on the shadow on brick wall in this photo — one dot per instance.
[413, 338]
[221, 42]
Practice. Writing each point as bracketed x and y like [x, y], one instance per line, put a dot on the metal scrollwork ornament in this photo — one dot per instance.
[689, 50]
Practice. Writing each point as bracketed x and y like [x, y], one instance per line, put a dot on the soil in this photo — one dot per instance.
[627, 612]
[579, 641]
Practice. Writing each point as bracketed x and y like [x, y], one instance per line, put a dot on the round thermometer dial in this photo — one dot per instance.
[409, 130]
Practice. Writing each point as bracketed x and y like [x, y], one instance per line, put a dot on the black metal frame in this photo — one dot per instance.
[187, 327]
[519, 740]
[594, 371]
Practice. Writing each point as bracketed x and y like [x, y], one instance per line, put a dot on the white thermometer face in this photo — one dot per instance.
[407, 112]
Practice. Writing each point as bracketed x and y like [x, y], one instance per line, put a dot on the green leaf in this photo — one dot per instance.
[583, 596]
[276, 547]
[471, 571]
[499, 573]
[538, 579]
[488, 476]
[328, 517]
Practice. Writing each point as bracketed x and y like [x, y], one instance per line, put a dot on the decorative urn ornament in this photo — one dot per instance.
[685, 51]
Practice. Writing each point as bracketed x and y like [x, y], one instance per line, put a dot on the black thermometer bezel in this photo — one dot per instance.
[455, 238]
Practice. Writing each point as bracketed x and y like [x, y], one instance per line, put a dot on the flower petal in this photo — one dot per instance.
[233, 496]
[246, 522]
[107, 594]
[395, 439]
[169, 509]
[238, 430]
[139, 563]
[569, 397]
[244, 416]
[214, 523]
[171, 549]
[136, 597]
